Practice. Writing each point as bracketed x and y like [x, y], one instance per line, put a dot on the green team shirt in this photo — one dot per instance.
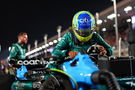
[67, 44]
[17, 51]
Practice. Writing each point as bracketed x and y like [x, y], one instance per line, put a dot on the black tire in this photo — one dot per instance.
[57, 82]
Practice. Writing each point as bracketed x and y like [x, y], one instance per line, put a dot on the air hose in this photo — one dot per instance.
[107, 78]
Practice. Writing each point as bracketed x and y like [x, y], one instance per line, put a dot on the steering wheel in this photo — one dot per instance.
[94, 53]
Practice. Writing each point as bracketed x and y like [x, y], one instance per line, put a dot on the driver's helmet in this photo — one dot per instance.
[83, 24]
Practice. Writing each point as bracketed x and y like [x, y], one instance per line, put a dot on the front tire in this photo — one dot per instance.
[57, 82]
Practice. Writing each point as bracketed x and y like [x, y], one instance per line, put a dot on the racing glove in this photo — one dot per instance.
[72, 54]
[102, 50]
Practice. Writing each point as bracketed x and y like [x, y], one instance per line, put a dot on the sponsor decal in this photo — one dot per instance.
[32, 62]
[84, 20]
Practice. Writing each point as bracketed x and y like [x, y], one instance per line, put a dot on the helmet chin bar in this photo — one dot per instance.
[84, 33]
[83, 39]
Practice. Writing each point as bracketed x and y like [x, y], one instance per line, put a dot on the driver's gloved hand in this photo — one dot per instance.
[102, 50]
[72, 54]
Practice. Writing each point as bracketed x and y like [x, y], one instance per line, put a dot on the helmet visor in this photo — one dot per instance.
[84, 32]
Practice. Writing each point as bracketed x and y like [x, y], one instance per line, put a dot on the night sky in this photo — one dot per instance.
[38, 18]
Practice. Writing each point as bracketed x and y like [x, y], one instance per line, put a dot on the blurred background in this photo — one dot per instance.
[46, 22]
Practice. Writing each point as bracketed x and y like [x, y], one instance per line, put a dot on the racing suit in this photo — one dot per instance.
[17, 51]
[69, 42]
